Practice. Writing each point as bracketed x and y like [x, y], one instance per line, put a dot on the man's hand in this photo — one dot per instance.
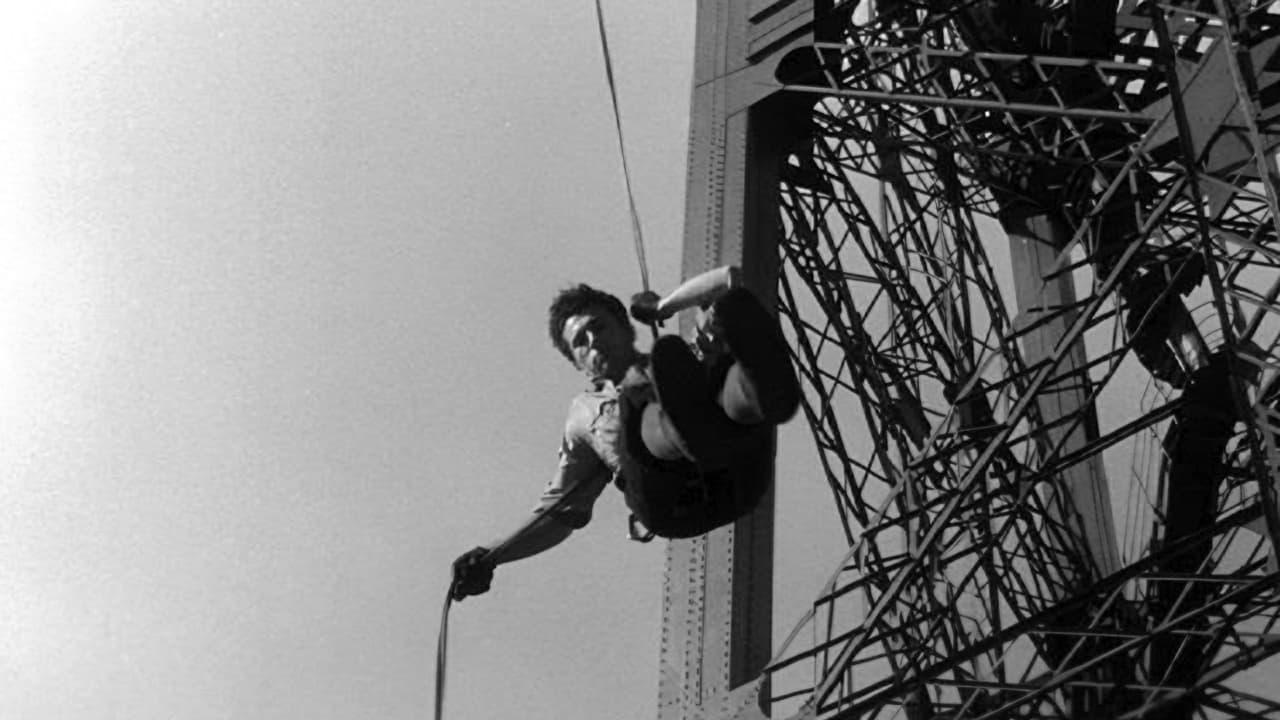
[644, 308]
[472, 573]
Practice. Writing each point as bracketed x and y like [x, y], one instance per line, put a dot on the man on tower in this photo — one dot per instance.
[683, 434]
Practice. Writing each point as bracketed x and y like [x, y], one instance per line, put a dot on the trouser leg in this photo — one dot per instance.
[759, 383]
[656, 434]
[678, 498]
[706, 410]
[687, 414]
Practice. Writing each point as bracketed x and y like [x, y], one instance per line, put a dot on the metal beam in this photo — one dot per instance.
[718, 595]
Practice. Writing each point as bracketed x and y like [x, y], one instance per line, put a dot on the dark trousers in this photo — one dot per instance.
[675, 499]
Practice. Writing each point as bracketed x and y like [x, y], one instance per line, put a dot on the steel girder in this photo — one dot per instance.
[966, 590]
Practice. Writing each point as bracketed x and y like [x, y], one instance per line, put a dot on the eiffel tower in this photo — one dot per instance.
[1026, 255]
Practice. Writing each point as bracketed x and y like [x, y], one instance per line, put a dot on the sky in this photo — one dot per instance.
[273, 352]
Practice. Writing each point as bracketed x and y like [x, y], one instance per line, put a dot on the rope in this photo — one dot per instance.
[442, 647]
[636, 234]
[442, 642]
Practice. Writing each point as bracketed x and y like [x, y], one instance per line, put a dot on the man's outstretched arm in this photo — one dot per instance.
[564, 507]
[565, 504]
[540, 532]
[473, 570]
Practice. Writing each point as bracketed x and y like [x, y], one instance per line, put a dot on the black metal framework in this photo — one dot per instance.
[968, 589]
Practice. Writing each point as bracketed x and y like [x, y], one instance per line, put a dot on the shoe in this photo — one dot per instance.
[755, 341]
[702, 430]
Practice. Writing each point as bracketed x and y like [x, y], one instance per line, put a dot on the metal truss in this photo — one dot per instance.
[969, 589]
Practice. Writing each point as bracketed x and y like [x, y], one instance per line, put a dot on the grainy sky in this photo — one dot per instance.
[273, 352]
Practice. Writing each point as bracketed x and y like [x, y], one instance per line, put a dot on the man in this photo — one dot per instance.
[683, 435]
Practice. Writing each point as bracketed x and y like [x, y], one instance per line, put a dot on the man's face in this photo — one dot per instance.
[599, 343]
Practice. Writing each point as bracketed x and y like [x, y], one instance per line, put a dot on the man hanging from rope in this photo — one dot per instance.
[683, 432]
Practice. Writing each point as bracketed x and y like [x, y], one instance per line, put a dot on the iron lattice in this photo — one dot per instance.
[936, 402]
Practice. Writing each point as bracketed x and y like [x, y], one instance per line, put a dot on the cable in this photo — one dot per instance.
[442, 647]
[442, 641]
[636, 233]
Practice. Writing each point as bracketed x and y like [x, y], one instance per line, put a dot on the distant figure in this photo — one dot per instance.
[685, 436]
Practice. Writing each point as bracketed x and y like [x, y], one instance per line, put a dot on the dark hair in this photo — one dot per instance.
[575, 300]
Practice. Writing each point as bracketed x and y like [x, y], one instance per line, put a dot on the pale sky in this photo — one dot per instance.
[273, 352]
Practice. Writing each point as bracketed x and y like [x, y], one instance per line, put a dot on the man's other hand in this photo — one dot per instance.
[644, 307]
[472, 573]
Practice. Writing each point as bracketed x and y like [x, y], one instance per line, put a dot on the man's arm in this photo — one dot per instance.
[699, 291]
[565, 506]
[540, 532]
[473, 570]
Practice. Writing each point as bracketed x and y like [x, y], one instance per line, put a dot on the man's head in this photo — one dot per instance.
[591, 329]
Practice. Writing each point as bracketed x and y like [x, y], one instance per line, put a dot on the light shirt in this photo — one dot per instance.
[593, 447]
